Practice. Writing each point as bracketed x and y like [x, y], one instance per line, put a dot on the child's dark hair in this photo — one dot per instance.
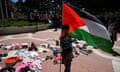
[65, 26]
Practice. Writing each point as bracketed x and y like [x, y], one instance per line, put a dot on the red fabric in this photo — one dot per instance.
[58, 58]
[11, 60]
[70, 17]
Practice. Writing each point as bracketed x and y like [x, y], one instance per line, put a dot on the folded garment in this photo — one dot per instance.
[11, 60]
[86, 52]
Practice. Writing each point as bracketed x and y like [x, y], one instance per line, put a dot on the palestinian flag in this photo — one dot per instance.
[86, 29]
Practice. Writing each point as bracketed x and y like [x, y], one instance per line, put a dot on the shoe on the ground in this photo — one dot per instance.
[77, 53]
[115, 53]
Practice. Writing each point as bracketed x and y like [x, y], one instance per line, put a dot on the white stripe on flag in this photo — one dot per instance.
[85, 28]
[97, 29]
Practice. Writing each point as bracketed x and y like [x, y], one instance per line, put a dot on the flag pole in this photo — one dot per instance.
[61, 35]
[60, 62]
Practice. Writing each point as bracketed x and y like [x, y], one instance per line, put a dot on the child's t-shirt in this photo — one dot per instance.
[23, 53]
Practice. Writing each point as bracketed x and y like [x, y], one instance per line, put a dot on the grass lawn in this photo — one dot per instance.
[6, 23]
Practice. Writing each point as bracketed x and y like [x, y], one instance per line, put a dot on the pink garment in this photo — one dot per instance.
[15, 45]
[22, 65]
[58, 58]
[84, 46]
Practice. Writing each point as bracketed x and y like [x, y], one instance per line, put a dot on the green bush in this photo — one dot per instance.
[15, 23]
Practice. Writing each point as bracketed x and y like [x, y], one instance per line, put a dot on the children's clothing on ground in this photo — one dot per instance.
[23, 53]
[37, 63]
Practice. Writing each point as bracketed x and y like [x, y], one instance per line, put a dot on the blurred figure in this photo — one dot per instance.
[33, 47]
[66, 46]
[113, 29]
[55, 21]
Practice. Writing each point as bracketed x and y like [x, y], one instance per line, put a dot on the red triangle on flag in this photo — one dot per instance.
[70, 17]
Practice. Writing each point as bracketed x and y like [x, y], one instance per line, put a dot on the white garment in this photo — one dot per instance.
[33, 53]
[74, 44]
[12, 53]
[7, 47]
[37, 63]
[24, 44]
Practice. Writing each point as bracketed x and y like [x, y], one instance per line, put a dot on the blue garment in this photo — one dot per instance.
[23, 53]
[54, 49]
[66, 42]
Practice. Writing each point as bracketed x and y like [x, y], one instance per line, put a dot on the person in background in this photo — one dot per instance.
[55, 21]
[113, 30]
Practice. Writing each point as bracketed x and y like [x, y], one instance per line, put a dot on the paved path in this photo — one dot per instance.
[98, 61]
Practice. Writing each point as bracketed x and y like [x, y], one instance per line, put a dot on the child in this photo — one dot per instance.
[66, 46]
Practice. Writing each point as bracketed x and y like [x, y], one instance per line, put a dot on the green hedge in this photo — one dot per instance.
[4, 23]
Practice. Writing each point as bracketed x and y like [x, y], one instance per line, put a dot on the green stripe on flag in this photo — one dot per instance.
[104, 44]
